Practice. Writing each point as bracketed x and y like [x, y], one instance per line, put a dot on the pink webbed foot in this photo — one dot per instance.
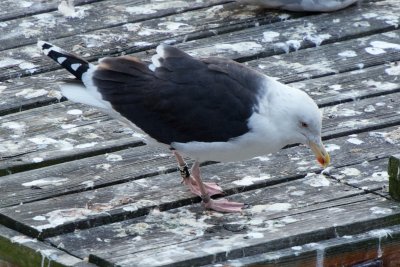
[222, 205]
[211, 188]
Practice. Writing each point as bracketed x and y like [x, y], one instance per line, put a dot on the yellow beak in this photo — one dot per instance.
[321, 154]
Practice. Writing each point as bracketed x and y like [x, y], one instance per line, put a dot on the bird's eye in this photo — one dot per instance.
[304, 124]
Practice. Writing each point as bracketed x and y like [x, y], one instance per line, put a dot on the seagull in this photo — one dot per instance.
[303, 5]
[209, 109]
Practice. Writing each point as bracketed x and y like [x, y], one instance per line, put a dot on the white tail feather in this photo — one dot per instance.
[79, 93]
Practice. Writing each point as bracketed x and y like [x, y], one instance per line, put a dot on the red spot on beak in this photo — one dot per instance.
[321, 161]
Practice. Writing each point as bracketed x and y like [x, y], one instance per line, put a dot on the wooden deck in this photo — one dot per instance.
[78, 188]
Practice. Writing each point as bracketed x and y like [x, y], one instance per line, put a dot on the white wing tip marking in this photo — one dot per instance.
[156, 61]
[75, 66]
[152, 67]
[161, 50]
[60, 60]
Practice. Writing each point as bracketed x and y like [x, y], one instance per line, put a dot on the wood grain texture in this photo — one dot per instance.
[380, 245]
[86, 185]
[25, 251]
[16, 9]
[115, 203]
[346, 86]
[215, 238]
[34, 138]
[317, 30]
[134, 36]
[89, 17]
[394, 174]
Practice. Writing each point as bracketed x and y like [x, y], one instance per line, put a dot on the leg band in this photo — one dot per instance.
[184, 170]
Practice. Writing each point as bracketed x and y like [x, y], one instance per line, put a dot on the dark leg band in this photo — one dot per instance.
[184, 170]
[205, 198]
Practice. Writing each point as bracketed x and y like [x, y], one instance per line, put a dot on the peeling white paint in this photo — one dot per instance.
[331, 147]
[59, 217]
[297, 193]
[37, 159]
[316, 180]
[379, 210]
[255, 235]
[385, 45]
[394, 70]
[30, 93]
[21, 239]
[369, 108]
[270, 36]
[349, 171]
[355, 141]
[380, 233]
[271, 207]
[113, 157]
[88, 184]
[317, 39]
[249, 180]
[239, 47]
[9, 62]
[381, 85]
[336, 87]
[86, 145]
[52, 181]
[374, 50]
[76, 112]
[39, 218]
[348, 53]
[42, 140]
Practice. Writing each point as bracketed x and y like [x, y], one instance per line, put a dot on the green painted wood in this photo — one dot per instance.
[23, 251]
[394, 177]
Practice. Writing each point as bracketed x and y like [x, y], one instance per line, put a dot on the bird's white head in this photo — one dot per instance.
[302, 121]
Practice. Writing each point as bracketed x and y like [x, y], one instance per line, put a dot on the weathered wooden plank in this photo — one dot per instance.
[371, 176]
[24, 251]
[57, 133]
[315, 30]
[34, 91]
[339, 120]
[131, 37]
[297, 34]
[332, 59]
[86, 174]
[228, 224]
[378, 244]
[347, 117]
[15, 9]
[361, 115]
[29, 92]
[182, 237]
[104, 205]
[352, 86]
[91, 17]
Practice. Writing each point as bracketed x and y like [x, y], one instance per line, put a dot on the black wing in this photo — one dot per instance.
[181, 99]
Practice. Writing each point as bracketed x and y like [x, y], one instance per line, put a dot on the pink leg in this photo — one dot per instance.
[189, 181]
[222, 205]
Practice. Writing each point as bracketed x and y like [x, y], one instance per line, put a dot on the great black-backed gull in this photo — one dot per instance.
[210, 109]
[303, 5]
